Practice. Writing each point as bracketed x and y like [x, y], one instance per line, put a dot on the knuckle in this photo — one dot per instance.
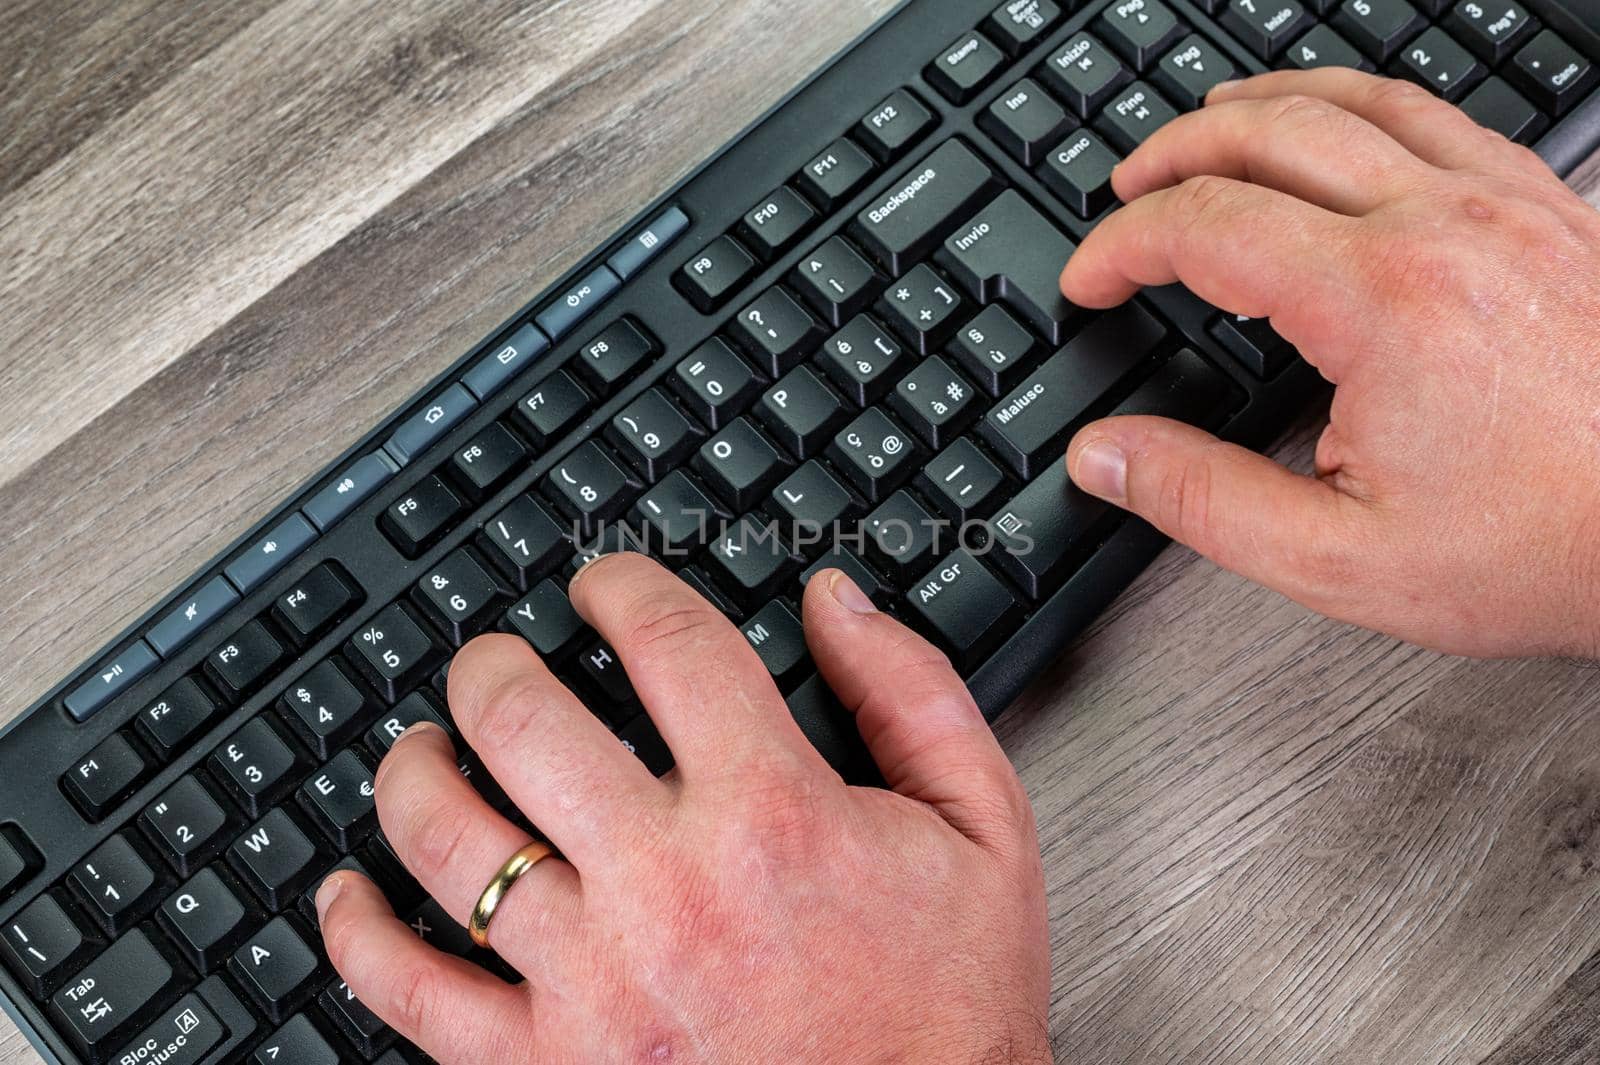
[415, 997]
[668, 632]
[434, 837]
[1403, 264]
[1301, 110]
[502, 714]
[785, 819]
[1400, 97]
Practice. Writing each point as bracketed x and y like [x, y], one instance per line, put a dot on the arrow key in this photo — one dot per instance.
[1190, 71]
[1140, 29]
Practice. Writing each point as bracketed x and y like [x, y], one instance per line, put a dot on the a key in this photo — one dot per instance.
[964, 67]
[205, 919]
[416, 707]
[325, 708]
[582, 299]
[749, 560]
[836, 281]
[923, 308]
[1439, 64]
[774, 225]
[1139, 29]
[812, 506]
[1042, 529]
[104, 776]
[242, 663]
[715, 384]
[1322, 47]
[780, 642]
[551, 410]
[677, 517]
[1192, 69]
[902, 537]
[188, 824]
[1009, 252]
[1085, 73]
[168, 723]
[416, 520]
[118, 885]
[1016, 24]
[600, 666]
[17, 860]
[115, 994]
[364, 1029]
[275, 858]
[894, 125]
[640, 738]
[1552, 72]
[935, 401]
[42, 943]
[545, 618]
[271, 553]
[487, 460]
[459, 596]
[315, 603]
[307, 903]
[1499, 107]
[1029, 425]
[1265, 26]
[297, 1043]
[901, 226]
[653, 435]
[1491, 28]
[277, 968]
[589, 488]
[1133, 114]
[256, 765]
[710, 278]
[964, 607]
[339, 798]
[800, 412]
[961, 481]
[613, 356]
[833, 176]
[525, 542]
[1255, 343]
[1079, 173]
[1025, 121]
[1377, 27]
[862, 360]
[875, 454]
[992, 349]
[739, 465]
[776, 332]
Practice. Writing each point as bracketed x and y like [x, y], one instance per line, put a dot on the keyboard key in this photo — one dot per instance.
[578, 302]
[1025, 121]
[168, 723]
[902, 537]
[256, 765]
[296, 1043]
[1017, 24]
[739, 465]
[1133, 115]
[639, 737]
[964, 607]
[551, 410]
[363, 1028]
[269, 554]
[1141, 30]
[1192, 69]
[832, 730]
[241, 664]
[340, 799]
[416, 707]
[188, 825]
[1439, 65]
[1187, 389]
[812, 506]
[837, 173]
[18, 860]
[1255, 343]
[104, 776]
[42, 943]
[614, 698]
[488, 460]
[961, 481]
[278, 969]
[614, 355]
[393, 651]
[116, 883]
[1264, 26]
[836, 281]
[710, 278]
[677, 517]
[1499, 107]
[749, 561]
[275, 858]
[1042, 529]
[772, 226]
[863, 360]
[359, 480]
[1378, 27]
[191, 616]
[589, 488]
[779, 640]
[416, 520]
[1492, 30]
[801, 413]
[1552, 72]
[116, 994]
[429, 425]
[923, 309]
[525, 541]
[495, 369]
[545, 618]
[182, 1034]
[459, 596]
[894, 125]
[1085, 74]
[205, 919]
[993, 348]
[648, 243]
[109, 680]
[653, 435]
[777, 332]
[316, 602]
[325, 708]
[714, 383]
[1322, 47]
[935, 401]
[898, 229]
[1011, 253]
[966, 66]
[875, 454]
[1079, 173]
[840, 558]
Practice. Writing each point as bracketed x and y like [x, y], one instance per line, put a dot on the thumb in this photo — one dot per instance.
[1294, 534]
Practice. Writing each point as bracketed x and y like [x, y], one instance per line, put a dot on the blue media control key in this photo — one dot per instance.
[648, 243]
[419, 432]
[110, 680]
[362, 478]
[504, 361]
[191, 615]
[578, 303]
[269, 554]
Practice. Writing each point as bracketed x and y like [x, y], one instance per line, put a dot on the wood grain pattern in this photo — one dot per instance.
[233, 235]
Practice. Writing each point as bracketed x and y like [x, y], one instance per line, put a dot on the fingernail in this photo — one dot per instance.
[1221, 89]
[326, 894]
[1102, 470]
[416, 730]
[849, 596]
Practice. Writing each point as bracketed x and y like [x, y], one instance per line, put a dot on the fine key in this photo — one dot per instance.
[177, 714]
[1011, 253]
[256, 765]
[183, 1034]
[244, 661]
[205, 918]
[115, 994]
[1042, 529]
[394, 651]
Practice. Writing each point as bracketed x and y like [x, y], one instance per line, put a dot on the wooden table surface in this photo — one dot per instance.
[233, 235]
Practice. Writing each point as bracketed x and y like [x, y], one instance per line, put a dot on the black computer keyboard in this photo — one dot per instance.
[844, 329]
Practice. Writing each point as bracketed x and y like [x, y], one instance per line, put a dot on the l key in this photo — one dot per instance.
[1010, 252]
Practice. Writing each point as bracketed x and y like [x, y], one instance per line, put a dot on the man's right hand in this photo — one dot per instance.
[1449, 285]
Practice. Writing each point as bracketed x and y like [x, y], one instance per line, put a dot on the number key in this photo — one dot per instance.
[1492, 28]
[715, 383]
[255, 765]
[325, 707]
[588, 486]
[1378, 27]
[394, 651]
[459, 595]
[653, 434]
[1439, 65]
[188, 825]
[116, 883]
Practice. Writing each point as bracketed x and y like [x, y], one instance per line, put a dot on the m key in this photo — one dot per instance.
[1011, 253]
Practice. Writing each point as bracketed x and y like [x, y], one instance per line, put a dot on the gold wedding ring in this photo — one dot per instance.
[516, 865]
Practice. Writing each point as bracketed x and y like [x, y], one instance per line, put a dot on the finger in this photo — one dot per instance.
[1294, 534]
[1425, 125]
[915, 715]
[705, 687]
[1299, 145]
[1243, 248]
[453, 1010]
[554, 758]
[454, 842]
